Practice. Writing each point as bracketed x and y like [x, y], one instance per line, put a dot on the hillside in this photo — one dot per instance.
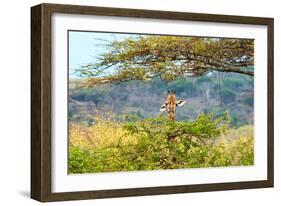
[214, 92]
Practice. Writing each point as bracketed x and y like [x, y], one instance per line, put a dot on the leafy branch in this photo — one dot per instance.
[169, 57]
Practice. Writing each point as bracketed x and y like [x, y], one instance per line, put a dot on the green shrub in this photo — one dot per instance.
[79, 160]
[166, 144]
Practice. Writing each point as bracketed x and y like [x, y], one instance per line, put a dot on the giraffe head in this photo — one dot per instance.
[171, 104]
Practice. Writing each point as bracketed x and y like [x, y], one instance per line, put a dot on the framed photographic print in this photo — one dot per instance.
[130, 102]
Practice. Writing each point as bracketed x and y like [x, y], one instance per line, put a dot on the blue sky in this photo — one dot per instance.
[85, 46]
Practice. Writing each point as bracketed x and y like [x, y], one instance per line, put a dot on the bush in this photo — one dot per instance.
[79, 161]
[159, 143]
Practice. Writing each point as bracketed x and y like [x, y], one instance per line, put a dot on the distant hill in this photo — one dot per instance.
[215, 93]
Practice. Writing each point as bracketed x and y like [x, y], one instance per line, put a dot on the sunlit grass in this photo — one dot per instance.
[103, 133]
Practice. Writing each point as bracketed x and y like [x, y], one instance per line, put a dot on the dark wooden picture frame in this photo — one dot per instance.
[41, 102]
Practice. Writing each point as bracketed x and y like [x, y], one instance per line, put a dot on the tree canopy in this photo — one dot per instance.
[169, 57]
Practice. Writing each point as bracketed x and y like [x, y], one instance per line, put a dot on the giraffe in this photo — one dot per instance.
[171, 104]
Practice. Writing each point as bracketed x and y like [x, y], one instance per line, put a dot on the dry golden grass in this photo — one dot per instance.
[104, 133]
[246, 131]
[238, 144]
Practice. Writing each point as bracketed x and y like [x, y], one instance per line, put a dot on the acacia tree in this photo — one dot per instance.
[168, 57]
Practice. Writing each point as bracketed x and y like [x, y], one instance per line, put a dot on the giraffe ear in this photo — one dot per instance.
[180, 103]
[163, 108]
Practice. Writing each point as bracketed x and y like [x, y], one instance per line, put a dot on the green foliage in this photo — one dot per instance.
[178, 144]
[79, 160]
[165, 144]
[170, 57]
[204, 127]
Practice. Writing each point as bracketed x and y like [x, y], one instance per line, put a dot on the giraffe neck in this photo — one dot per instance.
[171, 117]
